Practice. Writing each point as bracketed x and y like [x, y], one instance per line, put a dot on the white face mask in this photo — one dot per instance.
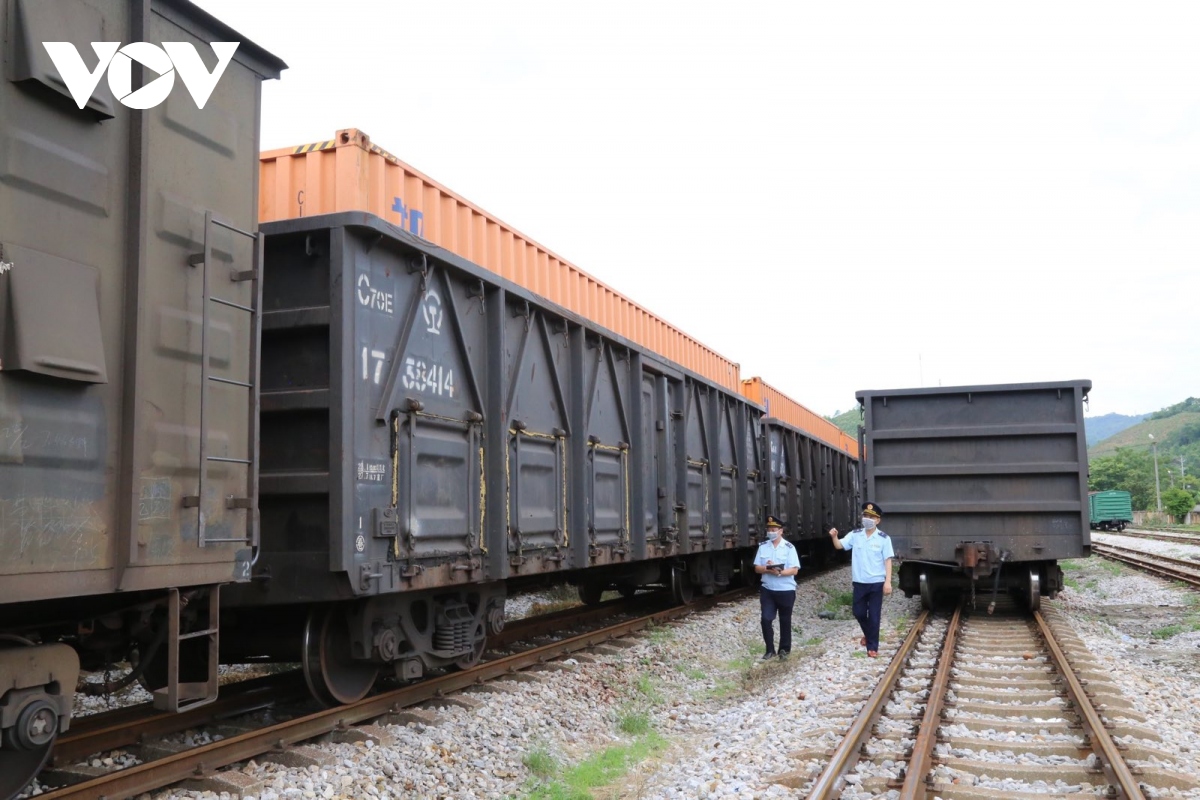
[869, 523]
[774, 534]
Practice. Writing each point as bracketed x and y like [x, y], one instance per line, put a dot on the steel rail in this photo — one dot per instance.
[1148, 562]
[556, 621]
[206, 759]
[921, 760]
[1133, 551]
[830, 781]
[122, 727]
[1111, 760]
[1163, 536]
[132, 725]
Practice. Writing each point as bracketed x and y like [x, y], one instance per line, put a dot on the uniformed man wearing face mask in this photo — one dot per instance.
[778, 562]
[870, 570]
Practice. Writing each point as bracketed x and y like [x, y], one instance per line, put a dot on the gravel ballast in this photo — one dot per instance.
[705, 718]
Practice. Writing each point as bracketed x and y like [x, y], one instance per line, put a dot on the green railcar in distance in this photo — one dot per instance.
[1111, 510]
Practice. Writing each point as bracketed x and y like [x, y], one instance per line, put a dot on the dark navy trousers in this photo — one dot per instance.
[868, 605]
[782, 602]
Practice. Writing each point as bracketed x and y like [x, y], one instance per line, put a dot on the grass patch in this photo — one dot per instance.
[601, 769]
[740, 663]
[722, 689]
[812, 641]
[1112, 567]
[540, 762]
[1189, 625]
[858, 654]
[1167, 632]
[634, 722]
[1070, 566]
[694, 673]
[661, 634]
[646, 687]
[837, 600]
[1071, 583]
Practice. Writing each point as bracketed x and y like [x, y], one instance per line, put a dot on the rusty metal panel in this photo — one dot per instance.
[98, 416]
[1002, 464]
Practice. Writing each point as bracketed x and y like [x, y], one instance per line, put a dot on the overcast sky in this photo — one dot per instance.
[837, 196]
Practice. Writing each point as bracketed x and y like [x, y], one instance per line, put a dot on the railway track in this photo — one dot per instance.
[136, 726]
[1006, 706]
[130, 726]
[1161, 535]
[1176, 569]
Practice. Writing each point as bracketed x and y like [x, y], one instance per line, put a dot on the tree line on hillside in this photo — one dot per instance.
[1132, 468]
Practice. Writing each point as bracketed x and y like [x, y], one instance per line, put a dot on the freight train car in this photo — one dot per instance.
[431, 435]
[434, 436]
[1111, 510]
[812, 478]
[982, 487]
[126, 430]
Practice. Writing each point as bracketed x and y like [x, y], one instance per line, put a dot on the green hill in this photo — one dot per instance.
[1100, 428]
[1126, 460]
[848, 420]
[1168, 432]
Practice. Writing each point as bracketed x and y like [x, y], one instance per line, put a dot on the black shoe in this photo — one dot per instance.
[783, 654]
[768, 656]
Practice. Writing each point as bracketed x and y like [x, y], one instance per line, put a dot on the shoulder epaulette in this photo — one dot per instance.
[884, 535]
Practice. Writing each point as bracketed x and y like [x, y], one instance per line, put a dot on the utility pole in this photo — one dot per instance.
[1157, 488]
[1182, 474]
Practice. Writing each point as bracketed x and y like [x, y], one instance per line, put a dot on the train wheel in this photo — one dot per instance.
[26, 746]
[590, 592]
[681, 588]
[332, 675]
[1033, 594]
[477, 648]
[926, 592]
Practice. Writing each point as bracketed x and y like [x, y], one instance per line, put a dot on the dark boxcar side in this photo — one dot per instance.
[100, 211]
[433, 435]
[983, 478]
[124, 474]
[810, 486]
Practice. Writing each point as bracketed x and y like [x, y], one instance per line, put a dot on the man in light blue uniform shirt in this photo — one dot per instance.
[870, 571]
[778, 562]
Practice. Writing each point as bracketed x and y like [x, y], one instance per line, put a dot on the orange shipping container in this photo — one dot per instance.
[349, 173]
[782, 407]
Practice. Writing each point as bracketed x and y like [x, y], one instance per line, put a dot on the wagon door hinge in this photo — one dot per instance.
[522, 310]
[480, 291]
[422, 268]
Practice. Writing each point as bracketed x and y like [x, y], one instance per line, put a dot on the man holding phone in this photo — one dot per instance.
[778, 562]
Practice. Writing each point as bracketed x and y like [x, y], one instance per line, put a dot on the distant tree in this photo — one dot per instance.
[1187, 434]
[1178, 502]
[1191, 404]
[1128, 470]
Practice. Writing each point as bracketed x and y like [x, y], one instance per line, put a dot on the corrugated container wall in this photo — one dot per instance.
[350, 173]
[780, 406]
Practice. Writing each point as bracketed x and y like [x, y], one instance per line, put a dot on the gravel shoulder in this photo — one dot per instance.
[689, 711]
